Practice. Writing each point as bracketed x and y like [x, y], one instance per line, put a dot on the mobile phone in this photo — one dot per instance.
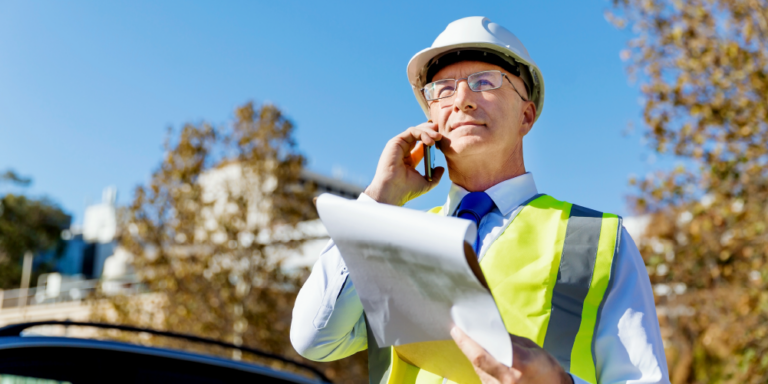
[429, 161]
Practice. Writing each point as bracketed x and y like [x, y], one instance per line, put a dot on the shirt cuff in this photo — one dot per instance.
[577, 380]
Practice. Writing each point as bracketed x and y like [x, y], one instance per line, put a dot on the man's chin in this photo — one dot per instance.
[465, 145]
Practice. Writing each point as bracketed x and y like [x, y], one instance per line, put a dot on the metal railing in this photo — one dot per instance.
[66, 291]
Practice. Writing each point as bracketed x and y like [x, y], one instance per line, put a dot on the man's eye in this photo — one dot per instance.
[444, 91]
[482, 83]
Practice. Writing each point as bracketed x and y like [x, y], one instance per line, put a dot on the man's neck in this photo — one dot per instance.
[483, 173]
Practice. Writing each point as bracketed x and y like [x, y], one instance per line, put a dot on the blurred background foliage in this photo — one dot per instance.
[703, 70]
[209, 233]
[26, 225]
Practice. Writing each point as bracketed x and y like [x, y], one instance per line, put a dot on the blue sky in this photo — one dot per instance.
[88, 89]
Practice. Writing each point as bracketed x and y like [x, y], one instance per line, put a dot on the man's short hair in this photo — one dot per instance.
[485, 56]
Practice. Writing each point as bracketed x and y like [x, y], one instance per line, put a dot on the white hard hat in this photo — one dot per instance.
[471, 33]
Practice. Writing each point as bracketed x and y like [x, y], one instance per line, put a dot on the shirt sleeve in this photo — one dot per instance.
[628, 347]
[328, 322]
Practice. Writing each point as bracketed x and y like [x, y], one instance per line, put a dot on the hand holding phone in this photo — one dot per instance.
[397, 179]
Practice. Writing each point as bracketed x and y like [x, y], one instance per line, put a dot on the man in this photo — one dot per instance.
[569, 281]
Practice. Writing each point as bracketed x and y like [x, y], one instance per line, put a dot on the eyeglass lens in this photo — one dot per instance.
[477, 82]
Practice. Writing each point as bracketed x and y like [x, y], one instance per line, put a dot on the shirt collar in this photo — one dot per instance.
[507, 195]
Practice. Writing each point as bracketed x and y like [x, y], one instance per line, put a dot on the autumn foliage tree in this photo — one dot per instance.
[703, 69]
[209, 234]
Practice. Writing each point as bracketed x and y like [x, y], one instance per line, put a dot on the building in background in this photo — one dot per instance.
[88, 246]
[93, 259]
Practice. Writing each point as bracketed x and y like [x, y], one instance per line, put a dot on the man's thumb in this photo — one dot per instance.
[437, 174]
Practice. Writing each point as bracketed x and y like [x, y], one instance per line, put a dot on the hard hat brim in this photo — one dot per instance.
[416, 70]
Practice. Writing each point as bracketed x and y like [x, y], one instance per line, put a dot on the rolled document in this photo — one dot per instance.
[411, 271]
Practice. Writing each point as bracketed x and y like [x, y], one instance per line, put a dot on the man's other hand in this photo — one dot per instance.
[530, 363]
[397, 181]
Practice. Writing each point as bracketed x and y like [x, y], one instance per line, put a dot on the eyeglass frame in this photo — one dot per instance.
[456, 85]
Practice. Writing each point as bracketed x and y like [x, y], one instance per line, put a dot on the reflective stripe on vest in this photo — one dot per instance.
[548, 272]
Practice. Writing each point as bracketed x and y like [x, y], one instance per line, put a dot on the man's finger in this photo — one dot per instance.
[420, 133]
[411, 135]
[523, 341]
[429, 125]
[407, 141]
[474, 352]
[436, 176]
[429, 133]
[477, 355]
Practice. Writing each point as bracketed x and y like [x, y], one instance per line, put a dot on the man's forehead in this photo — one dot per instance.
[464, 68]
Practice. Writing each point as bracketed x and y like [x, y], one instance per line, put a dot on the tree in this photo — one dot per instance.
[703, 67]
[26, 225]
[209, 232]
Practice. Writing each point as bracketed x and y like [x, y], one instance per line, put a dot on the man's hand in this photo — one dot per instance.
[396, 180]
[530, 363]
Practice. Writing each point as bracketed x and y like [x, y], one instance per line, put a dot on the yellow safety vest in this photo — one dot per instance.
[548, 273]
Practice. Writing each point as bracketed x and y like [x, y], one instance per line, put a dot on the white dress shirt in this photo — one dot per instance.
[328, 321]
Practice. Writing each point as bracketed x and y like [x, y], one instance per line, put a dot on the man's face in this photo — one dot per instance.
[485, 124]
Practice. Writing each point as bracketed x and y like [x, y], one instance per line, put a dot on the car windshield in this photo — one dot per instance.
[13, 379]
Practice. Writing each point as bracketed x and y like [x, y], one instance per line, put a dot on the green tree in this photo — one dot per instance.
[703, 68]
[209, 233]
[26, 224]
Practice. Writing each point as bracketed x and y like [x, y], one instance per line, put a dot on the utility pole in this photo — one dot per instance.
[26, 274]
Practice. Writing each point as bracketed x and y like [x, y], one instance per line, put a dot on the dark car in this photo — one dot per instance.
[46, 359]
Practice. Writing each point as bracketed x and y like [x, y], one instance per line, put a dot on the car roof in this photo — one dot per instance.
[23, 342]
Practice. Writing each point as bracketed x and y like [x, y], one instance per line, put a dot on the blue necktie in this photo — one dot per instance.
[473, 207]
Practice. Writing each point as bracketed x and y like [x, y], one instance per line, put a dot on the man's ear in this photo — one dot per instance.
[529, 116]
[433, 114]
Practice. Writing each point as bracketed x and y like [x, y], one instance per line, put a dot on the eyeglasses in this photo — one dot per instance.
[477, 82]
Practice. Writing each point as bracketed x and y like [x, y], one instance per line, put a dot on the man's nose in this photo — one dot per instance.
[464, 98]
